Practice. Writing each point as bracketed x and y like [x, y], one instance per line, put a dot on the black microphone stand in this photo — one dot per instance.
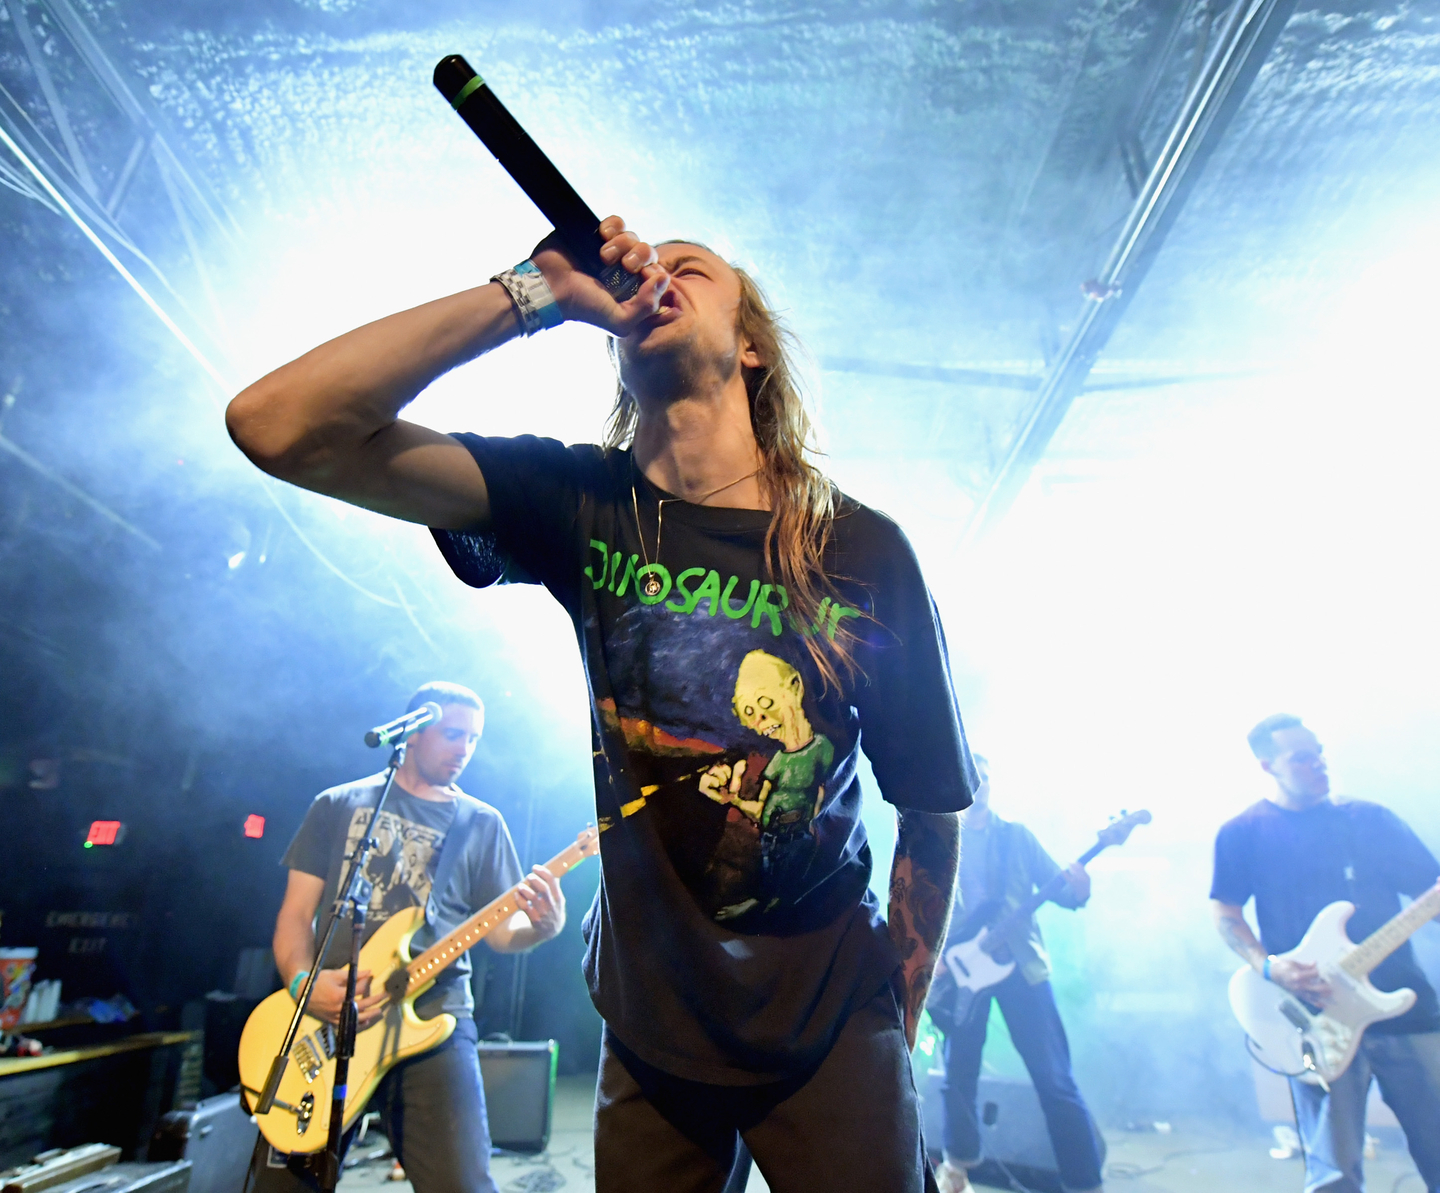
[354, 893]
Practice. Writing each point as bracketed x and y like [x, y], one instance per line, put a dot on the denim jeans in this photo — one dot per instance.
[1332, 1126]
[1039, 1036]
[432, 1109]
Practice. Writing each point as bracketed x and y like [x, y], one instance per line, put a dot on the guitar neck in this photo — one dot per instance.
[1052, 888]
[1366, 955]
[450, 947]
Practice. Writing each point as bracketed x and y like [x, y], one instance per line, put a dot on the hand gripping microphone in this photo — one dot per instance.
[403, 728]
[526, 163]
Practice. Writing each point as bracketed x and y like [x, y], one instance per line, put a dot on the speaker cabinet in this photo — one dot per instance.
[1012, 1133]
[519, 1093]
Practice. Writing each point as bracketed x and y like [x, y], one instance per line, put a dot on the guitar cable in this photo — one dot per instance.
[1250, 1048]
[1300, 1135]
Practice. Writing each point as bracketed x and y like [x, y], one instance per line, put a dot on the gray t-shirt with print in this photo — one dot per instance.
[410, 834]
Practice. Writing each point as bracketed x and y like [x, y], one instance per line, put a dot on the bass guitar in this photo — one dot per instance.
[1287, 1034]
[299, 1120]
[980, 960]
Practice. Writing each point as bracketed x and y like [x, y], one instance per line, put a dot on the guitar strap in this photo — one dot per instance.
[452, 849]
[999, 876]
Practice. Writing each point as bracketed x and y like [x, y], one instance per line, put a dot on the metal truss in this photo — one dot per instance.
[1223, 68]
[83, 139]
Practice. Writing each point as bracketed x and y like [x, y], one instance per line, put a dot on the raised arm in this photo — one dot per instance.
[922, 885]
[1043, 868]
[329, 421]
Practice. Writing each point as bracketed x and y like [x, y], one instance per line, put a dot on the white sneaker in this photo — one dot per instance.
[952, 1179]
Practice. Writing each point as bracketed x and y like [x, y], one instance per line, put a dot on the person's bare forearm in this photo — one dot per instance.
[294, 946]
[296, 420]
[329, 420]
[1235, 931]
[511, 938]
[922, 884]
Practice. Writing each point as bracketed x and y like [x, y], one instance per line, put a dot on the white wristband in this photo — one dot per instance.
[533, 299]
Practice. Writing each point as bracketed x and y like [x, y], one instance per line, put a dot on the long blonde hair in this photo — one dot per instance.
[802, 497]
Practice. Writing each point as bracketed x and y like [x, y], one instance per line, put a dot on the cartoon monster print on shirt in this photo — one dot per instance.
[769, 700]
[399, 869]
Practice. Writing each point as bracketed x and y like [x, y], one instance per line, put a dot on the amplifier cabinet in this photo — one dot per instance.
[519, 1093]
[1013, 1134]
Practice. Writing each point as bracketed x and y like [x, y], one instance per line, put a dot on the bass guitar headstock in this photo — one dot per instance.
[1118, 831]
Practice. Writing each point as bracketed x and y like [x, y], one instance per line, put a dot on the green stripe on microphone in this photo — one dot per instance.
[467, 91]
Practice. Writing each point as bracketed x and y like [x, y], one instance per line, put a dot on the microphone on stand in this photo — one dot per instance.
[402, 728]
[526, 163]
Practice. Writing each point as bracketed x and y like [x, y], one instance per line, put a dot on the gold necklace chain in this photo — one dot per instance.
[652, 585]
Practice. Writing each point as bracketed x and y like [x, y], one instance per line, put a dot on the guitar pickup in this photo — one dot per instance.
[327, 1041]
[1297, 1015]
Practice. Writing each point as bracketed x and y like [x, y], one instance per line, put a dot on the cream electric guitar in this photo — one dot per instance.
[300, 1119]
[1291, 1037]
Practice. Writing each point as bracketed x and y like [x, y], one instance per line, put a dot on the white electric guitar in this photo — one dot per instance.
[982, 961]
[1289, 1036]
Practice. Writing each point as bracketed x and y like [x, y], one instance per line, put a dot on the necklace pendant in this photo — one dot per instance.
[652, 585]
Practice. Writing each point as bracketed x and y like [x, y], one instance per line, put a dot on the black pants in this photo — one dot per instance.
[1039, 1036]
[432, 1109]
[851, 1126]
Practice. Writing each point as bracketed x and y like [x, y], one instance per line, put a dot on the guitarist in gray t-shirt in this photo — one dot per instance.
[1001, 864]
[432, 1106]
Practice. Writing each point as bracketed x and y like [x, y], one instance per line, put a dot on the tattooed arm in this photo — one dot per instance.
[1235, 931]
[922, 882]
[1296, 976]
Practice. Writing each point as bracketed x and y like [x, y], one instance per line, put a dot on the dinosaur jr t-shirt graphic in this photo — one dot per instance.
[731, 767]
[734, 928]
[770, 701]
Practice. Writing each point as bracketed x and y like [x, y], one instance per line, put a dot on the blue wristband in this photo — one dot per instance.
[295, 983]
[1265, 969]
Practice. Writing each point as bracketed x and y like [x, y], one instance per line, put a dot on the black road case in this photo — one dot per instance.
[217, 1137]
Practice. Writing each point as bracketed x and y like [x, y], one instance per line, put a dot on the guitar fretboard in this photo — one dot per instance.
[450, 946]
[1117, 834]
[1366, 955]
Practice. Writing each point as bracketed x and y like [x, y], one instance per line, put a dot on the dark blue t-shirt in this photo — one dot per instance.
[734, 930]
[1297, 863]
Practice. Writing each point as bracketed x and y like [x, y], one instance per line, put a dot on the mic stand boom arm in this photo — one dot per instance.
[347, 894]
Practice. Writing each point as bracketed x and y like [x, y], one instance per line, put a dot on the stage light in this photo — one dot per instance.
[104, 832]
[254, 826]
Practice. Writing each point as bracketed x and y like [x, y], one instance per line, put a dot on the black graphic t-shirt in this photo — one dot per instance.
[734, 929]
[409, 835]
[1296, 864]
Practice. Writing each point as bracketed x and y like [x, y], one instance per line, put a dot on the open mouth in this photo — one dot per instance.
[668, 311]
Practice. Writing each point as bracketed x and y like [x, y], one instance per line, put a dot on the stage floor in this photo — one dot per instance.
[1193, 1158]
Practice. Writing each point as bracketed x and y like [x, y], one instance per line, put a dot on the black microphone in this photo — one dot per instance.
[402, 728]
[526, 163]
